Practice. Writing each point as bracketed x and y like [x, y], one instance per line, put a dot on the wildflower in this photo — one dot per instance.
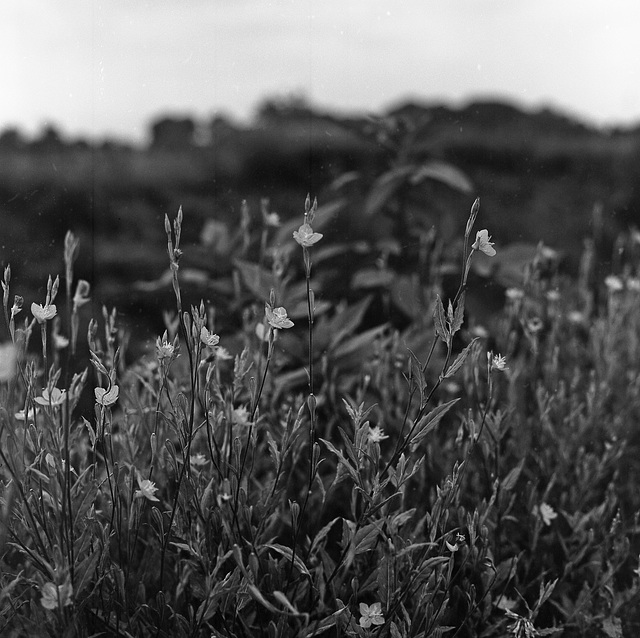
[483, 243]
[547, 513]
[43, 313]
[450, 547]
[271, 219]
[514, 294]
[506, 603]
[17, 305]
[60, 342]
[164, 349]
[522, 627]
[223, 354]
[371, 615]
[498, 362]
[479, 331]
[553, 295]
[198, 460]
[81, 296]
[454, 547]
[215, 235]
[53, 594]
[147, 489]
[54, 398]
[633, 283]
[613, 283]
[377, 434]
[21, 415]
[534, 325]
[576, 317]
[305, 236]
[107, 398]
[7, 361]
[277, 317]
[241, 416]
[208, 338]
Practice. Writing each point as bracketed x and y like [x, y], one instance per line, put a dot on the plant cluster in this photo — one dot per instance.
[308, 475]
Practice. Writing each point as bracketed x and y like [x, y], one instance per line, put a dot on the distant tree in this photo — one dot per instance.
[221, 128]
[173, 133]
[293, 106]
[11, 139]
[49, 140]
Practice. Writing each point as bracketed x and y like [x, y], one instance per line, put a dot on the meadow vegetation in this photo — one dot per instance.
[334, 441]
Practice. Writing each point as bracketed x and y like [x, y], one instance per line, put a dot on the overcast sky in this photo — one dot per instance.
[107, 67]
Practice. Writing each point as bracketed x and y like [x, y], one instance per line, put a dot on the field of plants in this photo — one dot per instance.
[373, 416]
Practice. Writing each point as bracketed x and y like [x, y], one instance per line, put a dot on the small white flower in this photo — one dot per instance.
[198, 460]
[506, 603]
[576, 317]
[499, 362]
[547, 513]
[534, 325]
[613, 283]
[305, 236]
[271, 219]
[54, 398]
[164, 349]
[43, 313]
[241, 416]
[277, 317]
[107, 397]
[377, 434]
[483, 243]
[208, 338]
[56, 595]
[553, 295]
[147, 489]
[223, 354]
[514, 294]
[633, 283]
[371, 615]
[17, 305]
[60, 342]
[20, 415]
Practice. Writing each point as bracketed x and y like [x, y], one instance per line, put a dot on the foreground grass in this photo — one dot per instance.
[305, 474]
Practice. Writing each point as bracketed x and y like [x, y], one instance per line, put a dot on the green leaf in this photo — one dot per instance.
[258, 280]
[288, 554]
[458, 317]
[386, 580]
[444, 173]
[510, 480]
[321, 535]
[460, 359]
[385, 187]
[372, 278]
[431, 420]
[440, 321]
[343, 461]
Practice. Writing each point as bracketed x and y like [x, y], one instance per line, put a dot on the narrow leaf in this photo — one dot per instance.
[458, 316]
[440, 321]
[431, 420]
[460, 359]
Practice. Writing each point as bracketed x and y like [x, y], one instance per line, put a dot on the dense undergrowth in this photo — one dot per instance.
[310, 471]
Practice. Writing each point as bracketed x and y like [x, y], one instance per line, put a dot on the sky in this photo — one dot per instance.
[106, 68]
